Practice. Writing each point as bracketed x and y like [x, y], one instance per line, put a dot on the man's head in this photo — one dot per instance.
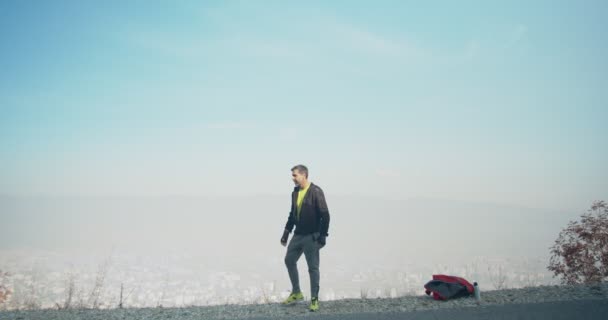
[299, 175]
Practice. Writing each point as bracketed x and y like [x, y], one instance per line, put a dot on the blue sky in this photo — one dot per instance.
[493, 101]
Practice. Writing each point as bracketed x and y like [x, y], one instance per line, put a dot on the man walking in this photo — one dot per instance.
[310, 216]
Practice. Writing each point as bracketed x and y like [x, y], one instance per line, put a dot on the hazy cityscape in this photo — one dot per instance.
[164, 253]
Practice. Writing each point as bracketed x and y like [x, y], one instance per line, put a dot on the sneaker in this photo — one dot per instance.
[294, 297]
[314, 304]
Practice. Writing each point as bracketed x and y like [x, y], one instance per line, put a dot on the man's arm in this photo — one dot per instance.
[324, 212]
[288, 227]
[290, 223]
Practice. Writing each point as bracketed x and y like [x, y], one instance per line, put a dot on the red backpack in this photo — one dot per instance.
[444, 287]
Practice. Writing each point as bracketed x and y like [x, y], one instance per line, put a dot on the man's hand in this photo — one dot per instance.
[284, 238]
[321, 241]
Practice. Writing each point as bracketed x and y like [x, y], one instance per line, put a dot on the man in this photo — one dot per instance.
[310, 216]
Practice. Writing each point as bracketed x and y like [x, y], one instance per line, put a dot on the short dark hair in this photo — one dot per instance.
[301, 169]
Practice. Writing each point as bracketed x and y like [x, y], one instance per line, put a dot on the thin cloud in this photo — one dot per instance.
[274, 49]
[364, 40]
[474, 49]
[334, 35]
[165, 43]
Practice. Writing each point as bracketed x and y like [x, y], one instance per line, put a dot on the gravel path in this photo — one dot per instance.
[341, 309]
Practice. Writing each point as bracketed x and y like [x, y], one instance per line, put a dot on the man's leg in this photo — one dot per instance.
[311, 251]
[294, 252]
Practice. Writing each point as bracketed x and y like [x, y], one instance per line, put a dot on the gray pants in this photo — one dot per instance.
[304, 244]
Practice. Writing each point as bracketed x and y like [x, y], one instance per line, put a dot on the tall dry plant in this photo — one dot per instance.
[580, 253]
[5, 292]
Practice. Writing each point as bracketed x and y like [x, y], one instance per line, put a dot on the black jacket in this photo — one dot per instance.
[314, 215]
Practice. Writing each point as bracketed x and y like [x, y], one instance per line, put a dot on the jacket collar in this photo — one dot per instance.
[297, 188]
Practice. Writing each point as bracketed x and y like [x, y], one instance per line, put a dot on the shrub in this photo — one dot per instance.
[580, 253]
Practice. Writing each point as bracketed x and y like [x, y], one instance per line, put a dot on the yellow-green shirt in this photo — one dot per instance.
[301, 195]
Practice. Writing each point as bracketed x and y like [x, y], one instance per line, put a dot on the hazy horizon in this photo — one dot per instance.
[200, 223]
[228, 247]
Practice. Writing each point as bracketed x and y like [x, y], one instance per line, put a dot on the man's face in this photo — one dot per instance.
[297, 177]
